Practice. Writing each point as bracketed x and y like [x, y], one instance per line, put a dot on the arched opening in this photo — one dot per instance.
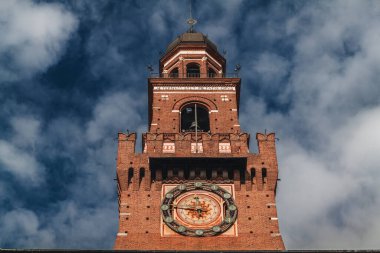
[186, 173]
[193, 70]
[175, 174]
[208, 173]
[195, 117]
[211, 72]
[253, 176]
[141, 177]
[153, 174]
[164, 174]
[130, 177]
[174, 73]
[264, 175]
[230, 174]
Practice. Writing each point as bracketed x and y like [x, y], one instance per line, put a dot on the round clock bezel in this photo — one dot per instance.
[229, 208]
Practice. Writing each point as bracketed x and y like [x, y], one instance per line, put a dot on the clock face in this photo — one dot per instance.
[198, 209]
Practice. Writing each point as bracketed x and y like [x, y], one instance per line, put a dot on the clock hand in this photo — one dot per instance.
[196, 200]
[197, 206]
[190, 208]
[185, 207]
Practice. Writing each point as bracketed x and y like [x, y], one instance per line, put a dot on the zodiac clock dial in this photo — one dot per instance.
[198, 209]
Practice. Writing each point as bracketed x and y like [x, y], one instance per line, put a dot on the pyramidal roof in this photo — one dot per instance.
[191, 37]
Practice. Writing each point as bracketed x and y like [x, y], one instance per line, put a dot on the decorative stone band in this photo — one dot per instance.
[275, 234]
[196, 148]
[225, 147]
[168, 147]
[122, 234]
[194, 88]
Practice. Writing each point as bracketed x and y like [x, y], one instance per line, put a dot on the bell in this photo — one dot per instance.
[194, 125]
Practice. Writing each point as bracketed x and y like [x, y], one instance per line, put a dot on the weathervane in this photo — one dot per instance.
[191, 22]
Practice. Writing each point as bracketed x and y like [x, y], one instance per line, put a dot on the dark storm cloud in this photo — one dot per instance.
[73, 74]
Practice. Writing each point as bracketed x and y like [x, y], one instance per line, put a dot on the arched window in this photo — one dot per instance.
[174, 73]
[193, 70]
[195, 117]
[211, 72]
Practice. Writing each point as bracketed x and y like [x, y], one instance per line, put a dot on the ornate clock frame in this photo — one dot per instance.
[228, 208]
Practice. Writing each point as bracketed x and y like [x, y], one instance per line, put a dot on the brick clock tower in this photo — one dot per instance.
[196, 186]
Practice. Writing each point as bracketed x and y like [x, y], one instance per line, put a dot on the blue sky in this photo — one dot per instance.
[73, 74]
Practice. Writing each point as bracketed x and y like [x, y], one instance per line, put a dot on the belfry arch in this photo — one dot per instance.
[195, 117]
[209, 104]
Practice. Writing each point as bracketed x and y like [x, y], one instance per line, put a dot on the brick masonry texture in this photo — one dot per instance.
[169, 156]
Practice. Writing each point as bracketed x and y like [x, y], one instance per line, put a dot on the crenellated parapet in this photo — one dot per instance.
[269, 167]
[126, 145]
[201, 144]
[260, 171]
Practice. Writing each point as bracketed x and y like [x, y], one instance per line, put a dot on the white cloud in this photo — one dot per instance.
[328, 149]
[26, 130]
[20, 163]
[35, 36]
[329, 142]
[18, 156]
[114, 113]
[359, 142]
[271, 68]
[26, 225]
[85, 227]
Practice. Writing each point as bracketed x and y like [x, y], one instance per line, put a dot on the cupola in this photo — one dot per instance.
[192, 55]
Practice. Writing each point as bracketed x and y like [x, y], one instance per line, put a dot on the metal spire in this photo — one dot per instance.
[191, 22]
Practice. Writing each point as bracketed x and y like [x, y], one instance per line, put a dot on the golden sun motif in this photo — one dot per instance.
[198, 210]
[205, 210]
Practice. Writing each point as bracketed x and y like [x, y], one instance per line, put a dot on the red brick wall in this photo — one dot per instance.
[256, 230]
[257, 218]
[139, 184]
[167, 102]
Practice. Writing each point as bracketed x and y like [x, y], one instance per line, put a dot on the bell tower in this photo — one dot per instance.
[195, 185]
